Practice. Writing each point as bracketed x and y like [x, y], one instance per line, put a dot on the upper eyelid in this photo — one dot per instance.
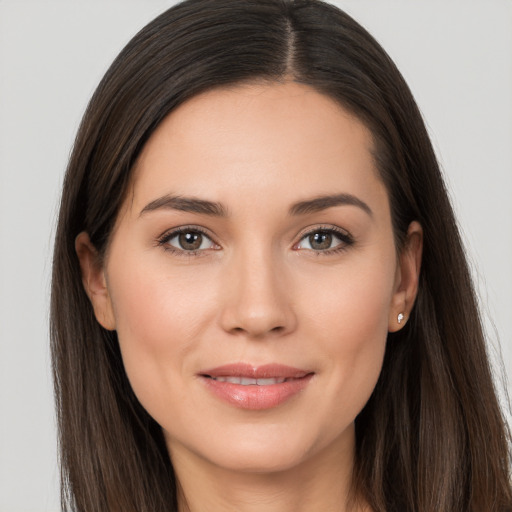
[322, 227]
[172, 232]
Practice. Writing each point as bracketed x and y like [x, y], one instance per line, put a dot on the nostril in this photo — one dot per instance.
[252, 332]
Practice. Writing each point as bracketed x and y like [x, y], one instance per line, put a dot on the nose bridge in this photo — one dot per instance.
[258, 301]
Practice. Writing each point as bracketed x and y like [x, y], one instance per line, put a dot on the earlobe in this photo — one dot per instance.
[407, 279]
[94, 282]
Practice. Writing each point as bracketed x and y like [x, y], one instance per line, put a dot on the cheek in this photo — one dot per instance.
[158, 316]
[351, 322]
[352, 303]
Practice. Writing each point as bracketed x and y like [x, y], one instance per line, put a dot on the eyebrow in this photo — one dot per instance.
[185, 204]
[323, 202]
[205, 207]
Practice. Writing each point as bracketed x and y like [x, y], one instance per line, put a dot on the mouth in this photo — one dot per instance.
[247, 381]
[255, 388]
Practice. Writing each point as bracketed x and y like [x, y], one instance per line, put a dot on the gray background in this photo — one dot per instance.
[455, 54]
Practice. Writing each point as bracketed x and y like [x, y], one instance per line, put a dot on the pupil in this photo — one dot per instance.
[190, 241]
[320, 240]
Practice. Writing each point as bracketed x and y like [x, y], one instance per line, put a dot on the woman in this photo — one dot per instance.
[260, 298]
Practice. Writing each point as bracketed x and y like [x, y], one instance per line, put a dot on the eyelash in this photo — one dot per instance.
[346, 240]
[163, 240]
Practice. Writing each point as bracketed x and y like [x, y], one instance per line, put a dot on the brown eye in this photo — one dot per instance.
[325, 240]
[320, 241]
[190, 241]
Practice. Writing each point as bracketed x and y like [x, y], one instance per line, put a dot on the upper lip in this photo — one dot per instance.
[266, 371]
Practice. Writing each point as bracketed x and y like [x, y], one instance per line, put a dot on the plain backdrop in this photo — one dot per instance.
[455, 54]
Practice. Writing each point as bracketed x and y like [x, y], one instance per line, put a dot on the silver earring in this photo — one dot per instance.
[400, 317]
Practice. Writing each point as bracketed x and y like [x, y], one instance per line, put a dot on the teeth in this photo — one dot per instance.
[247, 381]
[268, 382]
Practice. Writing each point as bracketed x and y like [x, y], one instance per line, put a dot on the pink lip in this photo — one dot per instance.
[253, 396]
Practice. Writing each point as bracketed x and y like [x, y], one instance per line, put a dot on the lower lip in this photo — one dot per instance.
[256, 397]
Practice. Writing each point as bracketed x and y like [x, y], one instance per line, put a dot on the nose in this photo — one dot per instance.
[257, 299]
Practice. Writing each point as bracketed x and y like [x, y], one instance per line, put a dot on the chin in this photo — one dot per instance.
[264, 459]
[266, 450]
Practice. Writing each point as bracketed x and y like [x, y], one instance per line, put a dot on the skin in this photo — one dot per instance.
[257, 291]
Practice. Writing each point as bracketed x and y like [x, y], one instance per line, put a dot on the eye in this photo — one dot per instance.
[325, 240]
[187, 240]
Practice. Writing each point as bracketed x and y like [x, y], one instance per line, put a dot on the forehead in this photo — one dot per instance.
[277, 140]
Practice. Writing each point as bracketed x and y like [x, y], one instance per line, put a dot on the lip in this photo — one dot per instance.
[255, 396]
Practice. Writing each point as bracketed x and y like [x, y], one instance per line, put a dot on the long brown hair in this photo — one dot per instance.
[432, 437]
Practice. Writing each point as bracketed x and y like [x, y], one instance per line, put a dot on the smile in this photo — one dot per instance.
[255, 388]
[246, 381]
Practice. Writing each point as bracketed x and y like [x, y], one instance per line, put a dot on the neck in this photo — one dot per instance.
[321, 482]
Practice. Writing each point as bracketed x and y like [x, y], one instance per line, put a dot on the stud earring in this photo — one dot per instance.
[400, 317]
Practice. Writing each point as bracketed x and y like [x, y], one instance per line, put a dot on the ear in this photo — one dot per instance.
[93, 279]
[407, 278]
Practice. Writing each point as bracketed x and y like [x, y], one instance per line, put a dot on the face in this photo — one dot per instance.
[252, 277]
